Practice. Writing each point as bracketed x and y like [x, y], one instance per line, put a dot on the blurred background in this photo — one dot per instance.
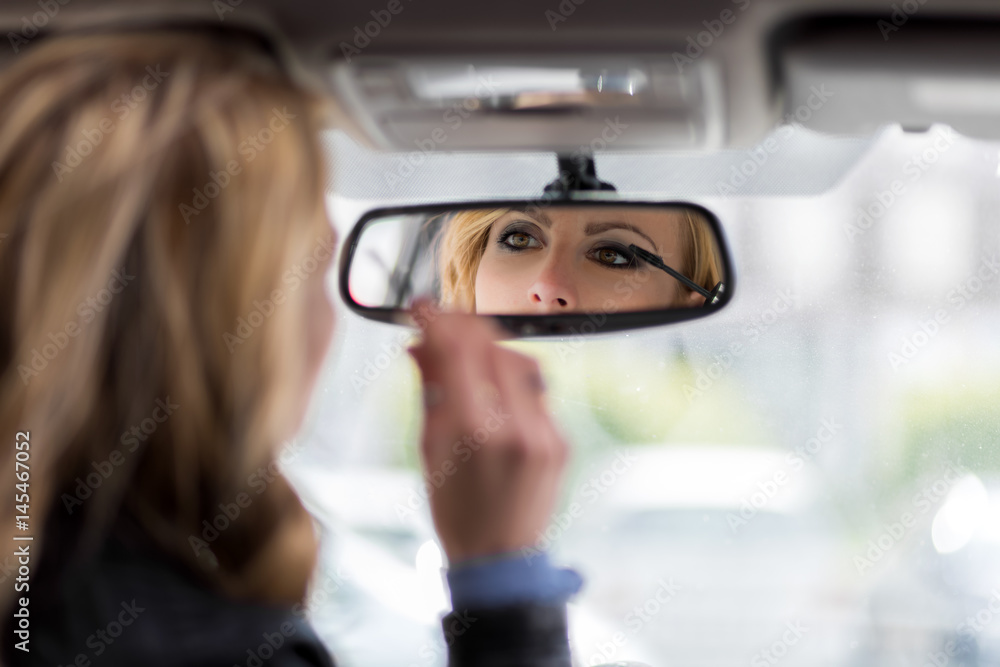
[809, 477]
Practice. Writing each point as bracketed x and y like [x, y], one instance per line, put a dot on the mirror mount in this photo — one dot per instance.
[577, 174]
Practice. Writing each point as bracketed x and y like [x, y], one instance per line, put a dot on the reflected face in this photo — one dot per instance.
[564, 260]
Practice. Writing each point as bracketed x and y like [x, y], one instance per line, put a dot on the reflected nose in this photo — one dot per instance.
[553, 291]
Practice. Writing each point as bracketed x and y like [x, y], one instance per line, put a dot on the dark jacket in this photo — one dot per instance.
[125, 608]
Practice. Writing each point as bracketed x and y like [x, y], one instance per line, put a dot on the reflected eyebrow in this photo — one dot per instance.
[593, 228]
[537, 214]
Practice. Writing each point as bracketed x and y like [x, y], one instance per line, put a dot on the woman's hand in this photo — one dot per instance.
[491, 454]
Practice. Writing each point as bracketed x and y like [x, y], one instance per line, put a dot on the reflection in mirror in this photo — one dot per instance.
[540, 260]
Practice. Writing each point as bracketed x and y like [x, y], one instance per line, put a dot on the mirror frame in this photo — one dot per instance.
[530, 326]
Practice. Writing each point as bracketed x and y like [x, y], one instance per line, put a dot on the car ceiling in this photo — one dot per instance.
[448, 25]
[759, 87]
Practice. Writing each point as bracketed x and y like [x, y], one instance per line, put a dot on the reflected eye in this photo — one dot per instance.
[618, 258]
[517, 239]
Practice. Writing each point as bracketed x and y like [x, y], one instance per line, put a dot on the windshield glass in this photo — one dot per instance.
[809, 477]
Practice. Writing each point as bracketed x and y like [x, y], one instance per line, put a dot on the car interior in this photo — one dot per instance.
[791, 457]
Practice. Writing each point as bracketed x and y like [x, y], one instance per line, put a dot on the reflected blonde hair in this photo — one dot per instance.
[460, 250]
[67, 224]
[702, 261]
[466, 233]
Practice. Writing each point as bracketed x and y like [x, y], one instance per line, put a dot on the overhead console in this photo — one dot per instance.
[854, 75]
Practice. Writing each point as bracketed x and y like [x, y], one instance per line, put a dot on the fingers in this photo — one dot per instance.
[523, 395]
[497, 489]
[455, 361]
[536, 445]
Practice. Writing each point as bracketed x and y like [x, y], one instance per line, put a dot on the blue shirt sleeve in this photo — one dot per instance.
[511, 579]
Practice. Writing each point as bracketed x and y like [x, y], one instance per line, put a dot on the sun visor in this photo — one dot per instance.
[548, 103]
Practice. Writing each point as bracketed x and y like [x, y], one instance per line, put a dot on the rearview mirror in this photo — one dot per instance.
[541, 268]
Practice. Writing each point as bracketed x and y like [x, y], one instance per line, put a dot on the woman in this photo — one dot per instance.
[574, 259]
[163, 316]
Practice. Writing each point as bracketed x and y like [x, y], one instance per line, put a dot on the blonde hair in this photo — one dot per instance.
[466, 233]
[460, 250]
[109, 148]
[702, 260]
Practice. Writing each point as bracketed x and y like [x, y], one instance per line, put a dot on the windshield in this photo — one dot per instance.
[809, 477]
